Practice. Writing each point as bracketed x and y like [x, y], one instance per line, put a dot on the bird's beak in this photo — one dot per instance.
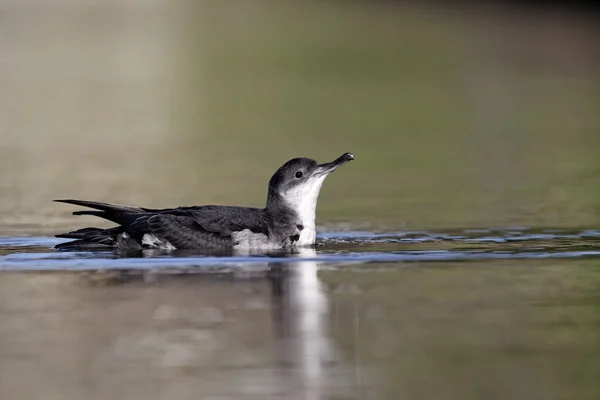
[327, 168]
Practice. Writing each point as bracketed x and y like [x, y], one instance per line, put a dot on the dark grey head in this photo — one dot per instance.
[297, 182]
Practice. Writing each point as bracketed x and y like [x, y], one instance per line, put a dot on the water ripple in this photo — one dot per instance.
[35, 253]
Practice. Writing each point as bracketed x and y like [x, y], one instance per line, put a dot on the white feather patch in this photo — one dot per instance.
[303, 199]
[247, 239]
[152, 241]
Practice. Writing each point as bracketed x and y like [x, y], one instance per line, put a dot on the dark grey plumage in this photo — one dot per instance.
[278, 225]
[184, 227]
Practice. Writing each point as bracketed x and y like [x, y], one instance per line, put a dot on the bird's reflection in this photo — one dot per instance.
[295, 300]
[299, 315]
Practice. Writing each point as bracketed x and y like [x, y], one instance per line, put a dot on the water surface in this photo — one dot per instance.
[490, 313]
[36, 253]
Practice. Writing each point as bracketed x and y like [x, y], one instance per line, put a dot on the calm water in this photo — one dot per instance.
[465, 314]
[459, 255]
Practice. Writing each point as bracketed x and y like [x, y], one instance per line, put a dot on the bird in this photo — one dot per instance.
[287, 221]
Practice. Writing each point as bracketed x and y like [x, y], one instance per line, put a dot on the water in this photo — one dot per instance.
[36, 254]
[457, 118]
[481, 312]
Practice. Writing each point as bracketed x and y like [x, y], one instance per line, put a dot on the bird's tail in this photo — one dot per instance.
[90, 239]
[106, 207]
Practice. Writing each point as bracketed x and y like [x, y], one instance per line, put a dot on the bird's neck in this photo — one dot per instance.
[296, 217]
[303, 209]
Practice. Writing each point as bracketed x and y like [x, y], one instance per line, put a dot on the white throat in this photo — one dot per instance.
[303, 200]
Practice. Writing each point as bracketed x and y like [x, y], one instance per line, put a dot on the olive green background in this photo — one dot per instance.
[457, 117]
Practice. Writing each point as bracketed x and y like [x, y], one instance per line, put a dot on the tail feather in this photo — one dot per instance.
[100, 214]
[117, 213]
[90, 238]
[108, 207]
[105, 239]
[79, 233]
[82, 245]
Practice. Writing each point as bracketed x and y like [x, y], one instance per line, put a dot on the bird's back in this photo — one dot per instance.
[171, 228]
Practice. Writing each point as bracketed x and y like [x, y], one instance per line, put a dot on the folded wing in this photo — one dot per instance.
[180, 228]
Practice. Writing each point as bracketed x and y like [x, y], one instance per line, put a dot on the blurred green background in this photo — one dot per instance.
[457, 116]
[475, 114]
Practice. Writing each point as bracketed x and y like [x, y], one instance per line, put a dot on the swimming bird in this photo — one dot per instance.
[287, 221]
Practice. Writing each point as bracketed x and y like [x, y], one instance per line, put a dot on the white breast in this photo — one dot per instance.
[303, 200]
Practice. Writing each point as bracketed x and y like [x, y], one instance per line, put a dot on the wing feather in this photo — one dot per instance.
[185, 233]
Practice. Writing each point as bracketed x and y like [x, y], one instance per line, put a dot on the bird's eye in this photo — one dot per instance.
[299, 174]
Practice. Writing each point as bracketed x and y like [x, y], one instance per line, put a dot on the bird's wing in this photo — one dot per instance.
[198, 227]
[225, 220]
[183, 227]
[183, 232]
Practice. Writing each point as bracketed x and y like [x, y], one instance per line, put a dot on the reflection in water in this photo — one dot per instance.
[523, 329]
[125, 335]
[300, 317]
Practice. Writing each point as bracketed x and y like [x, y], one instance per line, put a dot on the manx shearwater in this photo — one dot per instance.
[287, 221]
